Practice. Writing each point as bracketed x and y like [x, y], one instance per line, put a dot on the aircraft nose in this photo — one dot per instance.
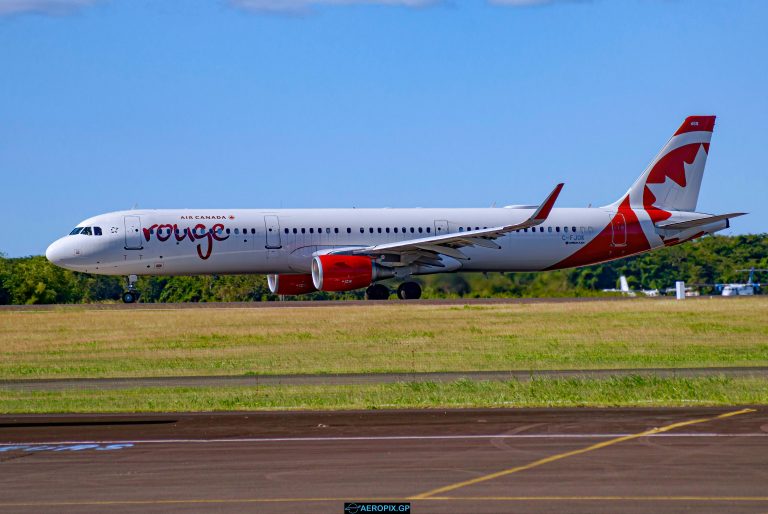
[56, 252]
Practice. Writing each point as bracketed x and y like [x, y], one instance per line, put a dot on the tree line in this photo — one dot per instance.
[709, 260]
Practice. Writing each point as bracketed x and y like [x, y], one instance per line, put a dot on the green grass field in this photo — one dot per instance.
[612, 392]
[391, 338]
[388, 338]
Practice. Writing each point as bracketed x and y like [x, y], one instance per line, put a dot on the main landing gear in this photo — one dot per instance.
[405, 291]
[132, 294]
[409, 291]
[377, 292]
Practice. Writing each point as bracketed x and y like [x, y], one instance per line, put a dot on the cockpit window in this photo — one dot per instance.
[86, 231]
[75, 230]
[96, 231]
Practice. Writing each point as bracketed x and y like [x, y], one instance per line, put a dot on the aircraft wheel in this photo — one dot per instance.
[377, 292]
[409, 291]
[130, 296]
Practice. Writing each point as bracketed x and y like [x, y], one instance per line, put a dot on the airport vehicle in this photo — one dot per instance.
[304, 250]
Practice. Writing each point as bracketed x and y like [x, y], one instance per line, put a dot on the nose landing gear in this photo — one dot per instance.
[132, 294]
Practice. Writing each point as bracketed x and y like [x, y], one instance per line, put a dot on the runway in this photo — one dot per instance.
[480, 461]
[309, 303]
[365, 378]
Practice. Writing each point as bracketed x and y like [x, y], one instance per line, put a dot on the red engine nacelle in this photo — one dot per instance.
[291, 284]
[346, 272]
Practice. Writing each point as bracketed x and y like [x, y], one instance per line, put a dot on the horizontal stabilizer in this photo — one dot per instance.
[698, 222]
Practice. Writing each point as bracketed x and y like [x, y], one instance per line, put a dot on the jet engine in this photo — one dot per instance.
[291, 284]
[346, 272]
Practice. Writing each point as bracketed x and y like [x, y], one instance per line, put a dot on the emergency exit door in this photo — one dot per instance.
[132, 233]
[619, 229]
[272, 230]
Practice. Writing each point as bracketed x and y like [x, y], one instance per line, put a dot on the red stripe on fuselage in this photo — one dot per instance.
[602, 247]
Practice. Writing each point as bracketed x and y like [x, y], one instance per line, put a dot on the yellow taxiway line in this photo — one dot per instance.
[565, 455]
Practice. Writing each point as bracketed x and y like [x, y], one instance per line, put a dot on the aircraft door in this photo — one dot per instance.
[618, 230]
[272, 229]
[441, 227]
[132, 233]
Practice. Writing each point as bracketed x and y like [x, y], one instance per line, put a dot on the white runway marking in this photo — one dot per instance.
[380, 438]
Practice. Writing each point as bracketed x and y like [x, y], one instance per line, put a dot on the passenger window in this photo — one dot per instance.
[295, 231]
[565, 229]
[303, 230]
[404, 231]
[379, 230]
[370, 229]
[574, 229]
[96, 231]
[525, 230]
[349, 230]
[86, 231]
[336, 230]
[461, 229]
[327, 230]
[395, 229]
[237, 231]
[420, 230]
[549, 229]
[557, 229]
[311, 230]
[387, 230]
[412, 230]
[428, 230]
[227, 231]
[362, 230]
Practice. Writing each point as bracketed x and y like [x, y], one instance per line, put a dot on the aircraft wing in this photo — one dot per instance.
[706, 220]
[428, 249]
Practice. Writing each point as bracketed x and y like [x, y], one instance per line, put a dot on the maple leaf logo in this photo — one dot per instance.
[673, 196]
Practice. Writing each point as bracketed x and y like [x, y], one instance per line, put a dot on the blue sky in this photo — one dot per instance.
[107, 104]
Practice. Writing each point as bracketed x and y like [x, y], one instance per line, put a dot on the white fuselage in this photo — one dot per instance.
[158, 242]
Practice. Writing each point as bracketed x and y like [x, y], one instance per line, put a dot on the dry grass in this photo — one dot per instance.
[395, 337]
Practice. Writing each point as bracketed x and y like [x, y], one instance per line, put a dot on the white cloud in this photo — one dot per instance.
[303, 6]
[49, 7]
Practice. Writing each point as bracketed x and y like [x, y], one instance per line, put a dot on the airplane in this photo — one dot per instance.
[740, 289]
[307, 250]
[626, 291]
